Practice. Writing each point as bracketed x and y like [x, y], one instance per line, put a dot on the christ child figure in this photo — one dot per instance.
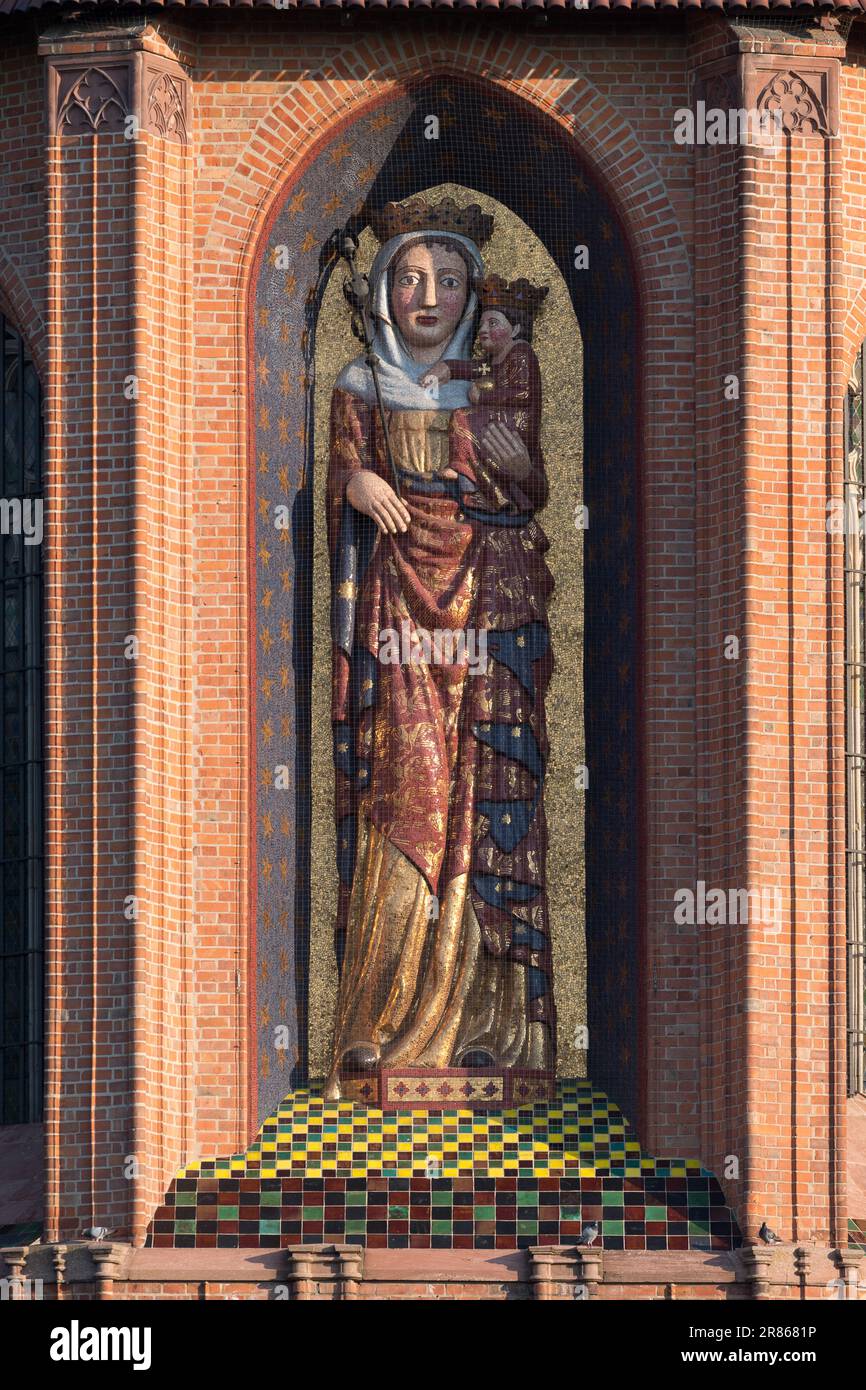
[505, 390]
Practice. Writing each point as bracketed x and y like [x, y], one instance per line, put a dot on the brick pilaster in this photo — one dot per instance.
[771, 788]
[119, 1113]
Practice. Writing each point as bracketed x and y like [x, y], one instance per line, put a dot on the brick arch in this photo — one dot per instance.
[16, 302]
[285, 141]
[288, 140]
[278, 223]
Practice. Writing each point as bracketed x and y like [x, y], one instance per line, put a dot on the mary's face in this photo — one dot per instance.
[428, 296]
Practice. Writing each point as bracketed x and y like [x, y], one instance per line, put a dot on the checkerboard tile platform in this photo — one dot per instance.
[498, 1180]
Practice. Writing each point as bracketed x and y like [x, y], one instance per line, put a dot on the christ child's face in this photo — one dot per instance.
[428, 297]
[496, 335]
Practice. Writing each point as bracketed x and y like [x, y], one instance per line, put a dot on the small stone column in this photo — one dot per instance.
[108, 1260]
[318, 1272]
[756, 1267]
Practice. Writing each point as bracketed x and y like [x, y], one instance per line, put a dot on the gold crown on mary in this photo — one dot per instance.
[444, 217]
[516, 299]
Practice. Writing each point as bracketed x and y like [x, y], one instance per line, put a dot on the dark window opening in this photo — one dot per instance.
[21, 824]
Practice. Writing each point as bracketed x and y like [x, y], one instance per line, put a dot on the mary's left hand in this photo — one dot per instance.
[506, 448]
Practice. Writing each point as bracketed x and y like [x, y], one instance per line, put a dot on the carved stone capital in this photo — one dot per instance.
[800, 93]
[120, 87]
[797, 94]
[717, 85]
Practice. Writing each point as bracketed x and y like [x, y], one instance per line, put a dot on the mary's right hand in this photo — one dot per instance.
[371, 494]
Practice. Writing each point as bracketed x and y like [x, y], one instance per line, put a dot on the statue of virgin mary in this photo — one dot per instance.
[442, 928]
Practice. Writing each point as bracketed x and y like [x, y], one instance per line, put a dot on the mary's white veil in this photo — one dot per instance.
[398, 371]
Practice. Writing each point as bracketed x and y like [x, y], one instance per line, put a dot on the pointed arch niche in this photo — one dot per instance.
[492, 144]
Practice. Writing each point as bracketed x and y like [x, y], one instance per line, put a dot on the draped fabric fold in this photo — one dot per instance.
[442, 923]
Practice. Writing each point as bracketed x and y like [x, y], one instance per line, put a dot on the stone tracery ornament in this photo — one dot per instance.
[794, 105]
[720, 91]
[94, 104]
[165, 108]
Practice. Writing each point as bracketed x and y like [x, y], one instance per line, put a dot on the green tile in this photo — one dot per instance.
[184, 1228]
[527, 1228]
[312, 1213]
[269, 1228]
[612, 1228]
[527, 1199]
[398, 1213]
[485, 1213]
[656, 1213]
[185, 1199]
[356, 1199]
[356, 1228]
[613, 1199]
[441, 1228]
[271, 1199]
[569, 1214]
[227, 1213]
[442, 1199]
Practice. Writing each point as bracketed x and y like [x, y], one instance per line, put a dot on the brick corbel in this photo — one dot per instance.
[322, 1272]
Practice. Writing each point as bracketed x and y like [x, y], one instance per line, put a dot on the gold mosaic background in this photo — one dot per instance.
[513, 251]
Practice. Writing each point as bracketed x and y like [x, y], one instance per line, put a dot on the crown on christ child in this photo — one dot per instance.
[516, 299]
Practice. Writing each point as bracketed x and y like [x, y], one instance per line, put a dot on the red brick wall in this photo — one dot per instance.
[90, 606]
[148, 766]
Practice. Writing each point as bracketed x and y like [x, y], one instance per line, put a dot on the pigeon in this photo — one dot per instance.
[588, 1234]
[98, 1232]
[769, 1237]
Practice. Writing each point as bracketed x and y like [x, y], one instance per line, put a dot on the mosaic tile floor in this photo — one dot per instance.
[501, 1179]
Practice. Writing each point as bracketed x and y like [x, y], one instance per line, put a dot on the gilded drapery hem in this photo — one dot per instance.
[418, 983]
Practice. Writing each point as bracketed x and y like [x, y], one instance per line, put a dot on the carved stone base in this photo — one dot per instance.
[473, 1088]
